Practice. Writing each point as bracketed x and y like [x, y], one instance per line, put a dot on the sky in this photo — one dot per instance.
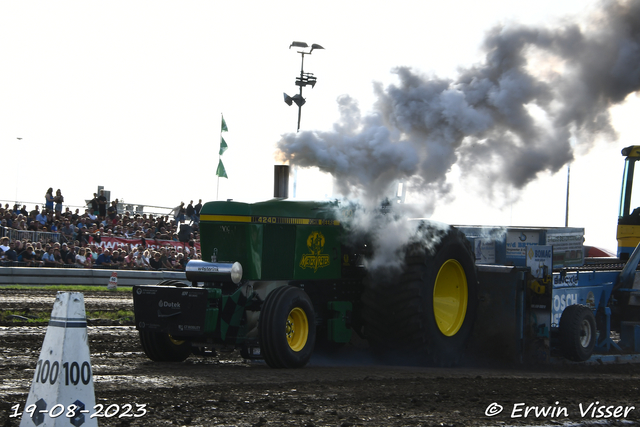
[130, 95]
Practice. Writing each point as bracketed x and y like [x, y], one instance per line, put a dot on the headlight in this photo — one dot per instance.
[236, 272]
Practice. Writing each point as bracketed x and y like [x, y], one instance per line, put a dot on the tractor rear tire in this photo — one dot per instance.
[577, 332]
[287, 329]
[161, 347]
[426, 316]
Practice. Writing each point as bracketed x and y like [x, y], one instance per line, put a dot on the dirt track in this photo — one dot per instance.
[346, 391]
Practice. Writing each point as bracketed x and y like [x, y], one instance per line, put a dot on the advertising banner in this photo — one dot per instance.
[117, 242]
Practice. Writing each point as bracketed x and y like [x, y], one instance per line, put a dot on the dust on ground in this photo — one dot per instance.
[346, 389]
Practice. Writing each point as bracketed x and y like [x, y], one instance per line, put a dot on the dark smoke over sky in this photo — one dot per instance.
[539, 95]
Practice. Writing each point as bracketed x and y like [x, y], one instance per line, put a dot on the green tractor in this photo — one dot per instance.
[281, 279]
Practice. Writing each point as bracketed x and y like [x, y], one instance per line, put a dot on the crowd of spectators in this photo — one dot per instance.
[61, 237]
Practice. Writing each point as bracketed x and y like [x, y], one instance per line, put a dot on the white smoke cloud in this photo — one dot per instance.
[388, 232]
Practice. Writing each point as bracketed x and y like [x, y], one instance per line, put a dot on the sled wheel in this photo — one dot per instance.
[287, 328]
[426, 316]
[162, 347]
[577, 332]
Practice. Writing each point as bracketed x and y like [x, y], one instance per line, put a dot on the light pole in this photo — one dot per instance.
[302, 81]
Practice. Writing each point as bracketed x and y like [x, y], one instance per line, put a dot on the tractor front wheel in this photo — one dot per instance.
[287, 328]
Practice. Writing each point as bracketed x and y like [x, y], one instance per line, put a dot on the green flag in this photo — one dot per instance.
[221, 172]
[224, 126]
[223, 145]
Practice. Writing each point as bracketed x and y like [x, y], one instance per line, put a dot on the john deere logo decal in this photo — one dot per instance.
[316, 259]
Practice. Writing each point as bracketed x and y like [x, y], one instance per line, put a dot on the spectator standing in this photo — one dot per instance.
[102, 205]
[58, 199]
[178, 212]
[93, 205]
[190, 212]
[48, 199]
[197, 208]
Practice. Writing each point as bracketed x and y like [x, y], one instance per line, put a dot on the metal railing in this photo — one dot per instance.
[122, 207]
[33, 236]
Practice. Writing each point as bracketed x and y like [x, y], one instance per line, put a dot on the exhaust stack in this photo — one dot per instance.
[281, 181]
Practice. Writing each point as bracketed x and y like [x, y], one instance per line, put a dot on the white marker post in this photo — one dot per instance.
[61, 392]
[113, 281]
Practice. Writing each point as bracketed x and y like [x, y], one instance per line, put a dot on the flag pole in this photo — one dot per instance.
[218, 181]
[223, 146]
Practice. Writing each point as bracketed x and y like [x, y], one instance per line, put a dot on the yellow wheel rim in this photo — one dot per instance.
[297, 329]
[175, 341]
[450, 297]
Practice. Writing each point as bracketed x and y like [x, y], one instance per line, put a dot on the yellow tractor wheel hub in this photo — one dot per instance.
[450, 297]
[297, 329]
